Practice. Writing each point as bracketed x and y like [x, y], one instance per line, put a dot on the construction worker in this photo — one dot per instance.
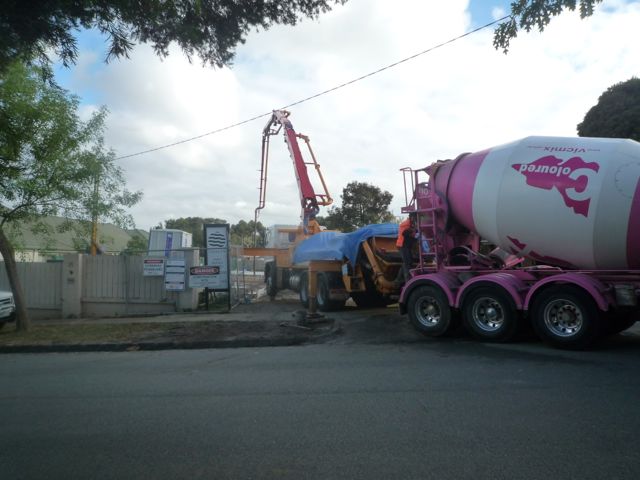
[405, 243]
[312, 226]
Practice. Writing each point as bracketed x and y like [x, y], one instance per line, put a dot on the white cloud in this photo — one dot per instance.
[465, 96]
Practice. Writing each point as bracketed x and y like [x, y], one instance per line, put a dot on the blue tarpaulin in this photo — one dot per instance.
[336, 245]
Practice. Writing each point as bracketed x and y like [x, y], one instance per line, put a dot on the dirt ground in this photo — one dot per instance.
[258, 323]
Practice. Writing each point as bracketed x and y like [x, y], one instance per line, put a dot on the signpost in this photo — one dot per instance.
[216, 239]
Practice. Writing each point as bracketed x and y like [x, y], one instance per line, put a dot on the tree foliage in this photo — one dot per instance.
[208, 28]
[241, 233]
[51, 163]
[617, 113]
[530, 14]
[137, 244]
[362, 204]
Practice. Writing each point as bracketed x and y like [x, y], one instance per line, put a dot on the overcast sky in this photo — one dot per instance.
[463, 97]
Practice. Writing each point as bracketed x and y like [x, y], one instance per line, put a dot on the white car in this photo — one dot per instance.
[7, 308]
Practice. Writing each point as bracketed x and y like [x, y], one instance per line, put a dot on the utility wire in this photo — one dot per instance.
[324, 92]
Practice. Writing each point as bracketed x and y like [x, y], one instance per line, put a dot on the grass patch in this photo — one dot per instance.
[84, 333]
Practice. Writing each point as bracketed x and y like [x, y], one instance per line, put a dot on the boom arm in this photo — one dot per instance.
[310, 200]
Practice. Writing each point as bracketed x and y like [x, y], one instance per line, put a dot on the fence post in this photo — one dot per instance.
[188, 299]
[72, 285]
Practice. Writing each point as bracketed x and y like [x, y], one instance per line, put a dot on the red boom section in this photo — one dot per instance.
[310, 200]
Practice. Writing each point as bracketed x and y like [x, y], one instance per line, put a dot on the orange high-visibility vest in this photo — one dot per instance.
[406, 224]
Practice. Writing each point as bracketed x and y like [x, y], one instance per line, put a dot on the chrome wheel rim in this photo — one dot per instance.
[563, 318]
[427, 311]
[487, 314]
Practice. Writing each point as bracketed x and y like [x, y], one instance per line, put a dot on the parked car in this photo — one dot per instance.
[7, 308]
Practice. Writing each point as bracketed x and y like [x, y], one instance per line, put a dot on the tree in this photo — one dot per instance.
[362, 204]
[137, 244]
[49, 161]
[617, 113]
[528, 14]
[211, 29]
[242, 233]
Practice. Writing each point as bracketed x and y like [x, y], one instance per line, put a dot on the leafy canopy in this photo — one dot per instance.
[617, 113]
[529, 14]
[51, 163]
[208, 28]
[362, 204]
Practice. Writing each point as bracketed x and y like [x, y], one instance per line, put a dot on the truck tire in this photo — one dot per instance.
[304, 290]
[566, 317]
[490, 314]
[429, 311]
[271, 279]
[2, 324]
[371, 297]
[323, 295]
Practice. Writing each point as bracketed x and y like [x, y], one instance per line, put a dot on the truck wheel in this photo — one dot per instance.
[566, 317]
[304, 290]
[270, 278]
[371, 297]
[490, 315]
[429, 311]
[323, 295]
[2, 324]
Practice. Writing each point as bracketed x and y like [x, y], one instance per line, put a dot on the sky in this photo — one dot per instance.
[463, 97]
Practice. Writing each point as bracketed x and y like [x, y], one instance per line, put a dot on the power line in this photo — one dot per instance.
[324, 92]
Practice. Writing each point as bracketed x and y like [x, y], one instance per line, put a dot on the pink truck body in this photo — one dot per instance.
[561, 217]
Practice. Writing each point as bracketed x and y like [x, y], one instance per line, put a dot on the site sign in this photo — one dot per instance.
[152, 267]
[216, 240]
[174, 276]
[203, 277]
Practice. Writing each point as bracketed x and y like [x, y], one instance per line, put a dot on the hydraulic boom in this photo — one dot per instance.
[310, 200]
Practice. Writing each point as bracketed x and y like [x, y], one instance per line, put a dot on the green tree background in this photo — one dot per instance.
[617, 113]
[362, 204]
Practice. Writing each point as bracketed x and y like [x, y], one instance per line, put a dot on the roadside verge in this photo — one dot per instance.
[91, 337]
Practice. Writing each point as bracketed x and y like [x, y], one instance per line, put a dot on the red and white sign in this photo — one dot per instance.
[153, 267]
[204, 277]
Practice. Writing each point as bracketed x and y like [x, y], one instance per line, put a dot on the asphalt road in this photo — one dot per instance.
[431, 410]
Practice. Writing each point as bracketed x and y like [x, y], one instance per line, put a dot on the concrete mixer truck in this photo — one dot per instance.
[542, 231]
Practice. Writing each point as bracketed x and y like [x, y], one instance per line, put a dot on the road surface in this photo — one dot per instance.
[431, 410]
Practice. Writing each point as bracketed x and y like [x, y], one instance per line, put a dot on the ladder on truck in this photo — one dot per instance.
[428, 230]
